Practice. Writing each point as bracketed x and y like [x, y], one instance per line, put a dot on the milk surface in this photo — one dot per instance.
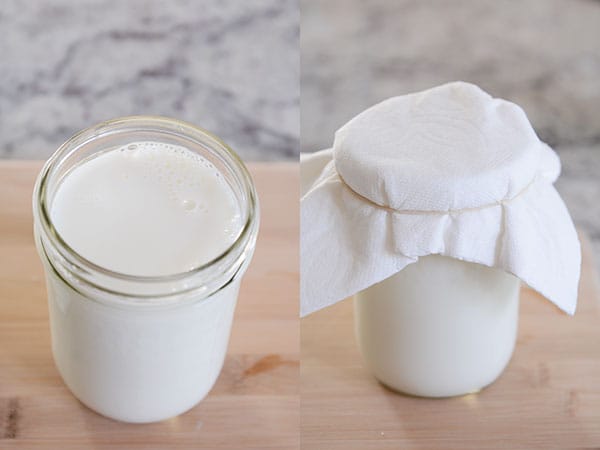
[146, 209]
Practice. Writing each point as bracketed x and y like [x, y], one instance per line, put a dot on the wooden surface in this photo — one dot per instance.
[548, 397]
[255, 401]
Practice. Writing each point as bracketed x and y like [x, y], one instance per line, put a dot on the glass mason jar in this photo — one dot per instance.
[136, 348]
[440, 327]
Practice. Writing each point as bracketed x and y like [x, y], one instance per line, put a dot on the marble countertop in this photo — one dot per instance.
[231, 67]
[542, 54]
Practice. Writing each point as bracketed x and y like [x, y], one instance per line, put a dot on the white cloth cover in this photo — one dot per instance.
[449, 171]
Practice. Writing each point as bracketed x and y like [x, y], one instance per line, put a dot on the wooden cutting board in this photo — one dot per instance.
[548, 397]
[255, 402]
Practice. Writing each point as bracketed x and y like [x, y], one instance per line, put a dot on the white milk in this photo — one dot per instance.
[139, 366]
[145, 209]
[440, 327]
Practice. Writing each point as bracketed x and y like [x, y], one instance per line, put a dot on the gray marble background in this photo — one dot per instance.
[231, 67]
[541, 54]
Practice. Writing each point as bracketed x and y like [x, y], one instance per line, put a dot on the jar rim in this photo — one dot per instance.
[176, 127]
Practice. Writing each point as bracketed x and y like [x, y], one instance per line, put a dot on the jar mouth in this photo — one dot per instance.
[84, 270]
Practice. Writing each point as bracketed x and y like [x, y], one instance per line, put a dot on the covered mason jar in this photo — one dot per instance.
[430, 209]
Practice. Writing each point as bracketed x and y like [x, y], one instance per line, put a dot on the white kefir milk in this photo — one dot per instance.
[440, 327]
[141, 216]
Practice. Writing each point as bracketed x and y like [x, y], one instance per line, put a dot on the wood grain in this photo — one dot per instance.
[255, 402]
[548, 397]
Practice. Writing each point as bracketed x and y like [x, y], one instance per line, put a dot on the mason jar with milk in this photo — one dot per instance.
[145, 226]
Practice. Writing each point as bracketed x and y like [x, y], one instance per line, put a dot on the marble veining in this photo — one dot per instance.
[542, 54]
[231, 67]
